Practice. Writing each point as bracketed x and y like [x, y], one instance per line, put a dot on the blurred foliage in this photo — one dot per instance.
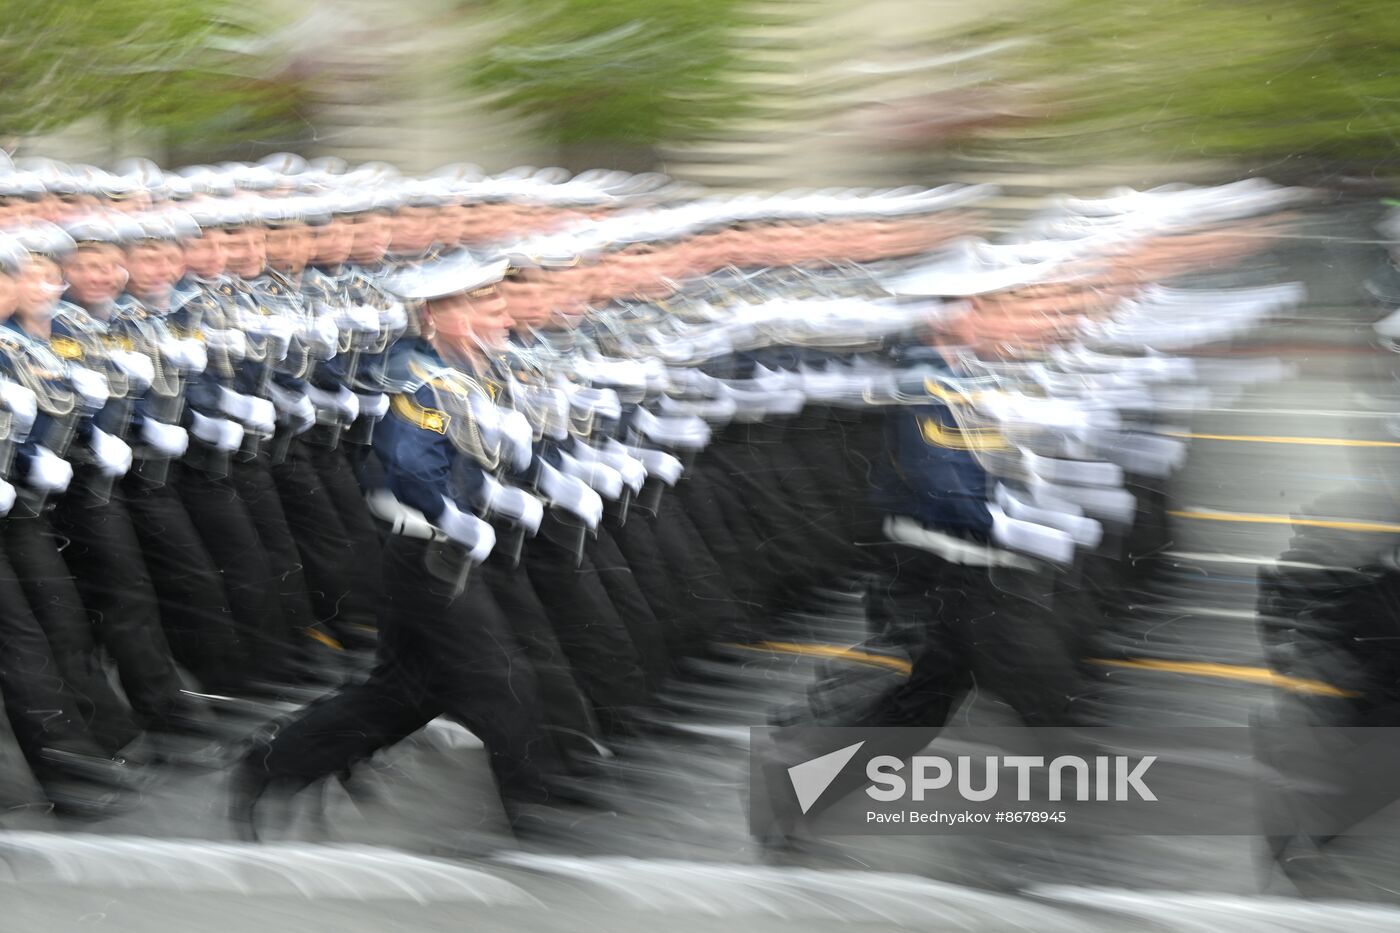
[187, 69]
[634, 72]
[1277, 82]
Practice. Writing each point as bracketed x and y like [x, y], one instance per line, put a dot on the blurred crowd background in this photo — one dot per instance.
[1043, 94]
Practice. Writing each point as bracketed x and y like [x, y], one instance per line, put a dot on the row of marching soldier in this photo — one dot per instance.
[533, 440]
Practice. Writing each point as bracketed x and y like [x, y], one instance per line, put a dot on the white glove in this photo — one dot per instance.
[476, 536]
[187, 355]
[394, 318]
[342, 404]
[659, 464]
[518, 440]
[22, 405]
[631, 470]
[91, 386]
[634, 472]
[228, 340]
[275, 330]
[7, 498]
[217, 432]
[600, 476]
[571, 494]
[515, 504]
[487, 415]
[235, 404]
[111, 454]
[1029, 538]
[373, 405]
[293, 408]
[602, 403]
[1085, 531]
[137, 367]
[320, 336]
[48, 472]
[165, 439]
[357, 319]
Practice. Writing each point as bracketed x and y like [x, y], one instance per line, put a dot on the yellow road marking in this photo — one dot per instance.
[1285, 520]
[1253, 675]
[323, 638]
[832, 651]
[1284, 439]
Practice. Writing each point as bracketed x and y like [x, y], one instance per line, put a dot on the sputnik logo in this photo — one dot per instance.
[811, 778]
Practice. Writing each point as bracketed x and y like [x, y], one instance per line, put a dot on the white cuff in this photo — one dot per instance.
[1086, 532]
[373, 405]
[48, 472]
[91, 386]
[512, 503]
[600, 476]
[472, 533]
[22, 405]
[659, 464]
[165, 439]
[1036, 540]
[137, 367]
[227, 340]
[111, 454]
[571, 494]
[216, 432]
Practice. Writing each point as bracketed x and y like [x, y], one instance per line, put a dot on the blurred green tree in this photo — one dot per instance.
[631, 72]
[1278, 83]
[193, 71]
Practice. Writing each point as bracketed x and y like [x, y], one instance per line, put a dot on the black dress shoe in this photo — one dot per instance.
[248, 782]
[87, 786]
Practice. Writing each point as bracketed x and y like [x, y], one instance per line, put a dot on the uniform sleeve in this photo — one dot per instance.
[945, 485]
[417, 455]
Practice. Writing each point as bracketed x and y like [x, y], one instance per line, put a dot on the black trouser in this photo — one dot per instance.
[199, 621]
[965, 627]
[252, 480]
[42, 711]
[679, 577]
[566, 711]
[343, 488]
[231, 537]
[327, 551]
[589, 629]
[990, 628]
[735, 548]
[48, 585]
[438, 654]
[114, 583]
[625, 593]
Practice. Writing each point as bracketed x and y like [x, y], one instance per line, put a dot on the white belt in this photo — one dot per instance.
[907, 531]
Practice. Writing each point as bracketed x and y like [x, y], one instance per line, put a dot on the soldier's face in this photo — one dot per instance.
[94, 273]
[472, 321]
[289, 248]
[245, 251]
[39, 287]
[526, 303]
[148, 269]
[204, 255]
[412, 229]
[334, 243]
[9, 292]
[371, 237]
